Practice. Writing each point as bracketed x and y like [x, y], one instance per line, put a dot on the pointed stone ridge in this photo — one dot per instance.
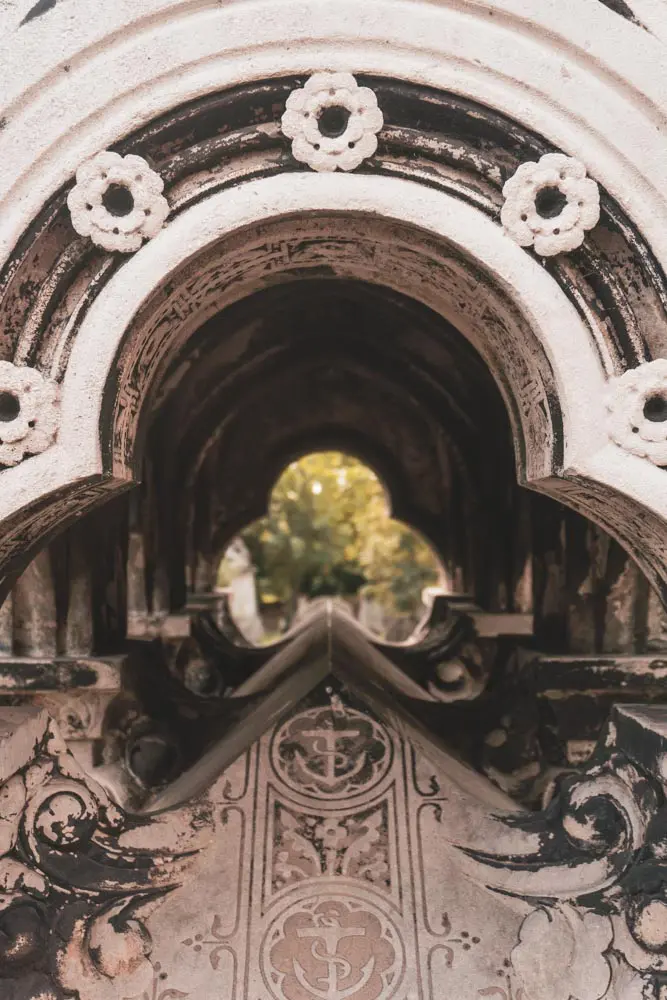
[328, 643]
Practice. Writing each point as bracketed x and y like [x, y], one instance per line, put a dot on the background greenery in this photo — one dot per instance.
[328, 532]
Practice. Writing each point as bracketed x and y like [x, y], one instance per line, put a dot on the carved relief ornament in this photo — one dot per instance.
[75, 874]
[333, 122]
[29, 411]
[117, 201]
[600, 930]
[550, 204]
[637, 408]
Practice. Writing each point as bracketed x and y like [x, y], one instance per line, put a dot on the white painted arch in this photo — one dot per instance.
[566, 341]
[581, 76]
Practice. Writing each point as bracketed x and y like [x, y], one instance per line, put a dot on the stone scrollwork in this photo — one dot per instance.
[550, 204]
[75, 874]
[637, 408]
[461, 677]
[332, 121]
[29, 412]
[117, 201]
[599, 873]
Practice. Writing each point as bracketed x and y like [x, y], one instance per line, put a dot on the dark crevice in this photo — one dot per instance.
[37, 10]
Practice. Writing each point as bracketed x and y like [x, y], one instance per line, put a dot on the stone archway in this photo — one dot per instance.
[505, 175]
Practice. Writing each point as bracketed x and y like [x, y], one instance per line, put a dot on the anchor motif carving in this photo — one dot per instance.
[336, 763]
[333, 947]
[333, 752]
[328, 930]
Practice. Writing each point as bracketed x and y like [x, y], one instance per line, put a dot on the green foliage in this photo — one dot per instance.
[328, 532]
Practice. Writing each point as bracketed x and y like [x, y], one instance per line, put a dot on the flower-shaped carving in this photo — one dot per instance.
[28, 412]
[550, 204]
[332, 834]
[333, 122]
[560, 955]
[637, 407]
[117, 201]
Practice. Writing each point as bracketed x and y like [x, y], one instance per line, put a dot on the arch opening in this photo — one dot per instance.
[328, 532]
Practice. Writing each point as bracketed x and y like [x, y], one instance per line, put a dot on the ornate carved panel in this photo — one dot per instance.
[330, 878]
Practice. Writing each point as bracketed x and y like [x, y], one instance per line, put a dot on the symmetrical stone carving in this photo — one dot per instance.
[332, 121]
[354, 941]
[550, 204]
[118, 201]
[75, 874]
[637, 406]
[321, 877]
[28, 412]
[425, 882]
[337, 753]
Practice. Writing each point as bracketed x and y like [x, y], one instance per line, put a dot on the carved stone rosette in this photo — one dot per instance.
[29, 412]
[637, 408]
[333, 122]
[117, 201]
[550, 204]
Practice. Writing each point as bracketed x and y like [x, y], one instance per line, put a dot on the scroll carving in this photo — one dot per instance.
[77, 876]
[600, 929]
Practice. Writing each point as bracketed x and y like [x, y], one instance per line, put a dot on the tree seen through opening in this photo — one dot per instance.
[328, 533]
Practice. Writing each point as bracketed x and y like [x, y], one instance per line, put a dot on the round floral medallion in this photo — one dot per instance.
[117, 201]
[332, 947]
[331, 753]
[550, 204]
[332, 121]
[29, 412]
[637, 407]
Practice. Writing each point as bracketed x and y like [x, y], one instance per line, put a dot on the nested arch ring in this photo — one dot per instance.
[414, 239]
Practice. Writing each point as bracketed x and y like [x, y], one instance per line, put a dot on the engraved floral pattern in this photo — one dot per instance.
[550, 204]
[354, 846]
[118, 201]
[215, 944]
[333, 122]
[455, 941]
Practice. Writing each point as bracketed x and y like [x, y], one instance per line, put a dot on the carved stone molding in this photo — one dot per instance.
[332, 121]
